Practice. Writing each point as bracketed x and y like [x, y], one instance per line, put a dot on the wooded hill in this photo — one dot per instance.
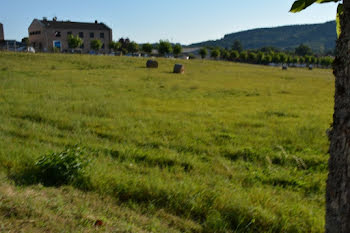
[320, 37]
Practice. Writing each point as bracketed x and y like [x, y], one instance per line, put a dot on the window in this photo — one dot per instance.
[102, 35]
[92, 35]
[81, 34]
[69, 33]
[35, 33]
[57, 34]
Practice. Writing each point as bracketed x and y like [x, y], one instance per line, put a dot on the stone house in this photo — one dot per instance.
[49, 35]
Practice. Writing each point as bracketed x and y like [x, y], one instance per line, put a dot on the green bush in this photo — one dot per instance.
[64, 168]
[61, 168]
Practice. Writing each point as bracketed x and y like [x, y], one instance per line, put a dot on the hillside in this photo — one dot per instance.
[320, 37]
[225, 147]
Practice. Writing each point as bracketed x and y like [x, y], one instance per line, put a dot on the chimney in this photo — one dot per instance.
[96, 21]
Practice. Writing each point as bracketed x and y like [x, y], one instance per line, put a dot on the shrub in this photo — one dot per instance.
[56, 169]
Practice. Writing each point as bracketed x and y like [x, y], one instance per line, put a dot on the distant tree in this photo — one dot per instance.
[260, 57]
[124, 45]
[301, 60]
[252, 57]
[215, 53]
[234, 55]
[25, 40]
[164, 47]
[303, 50]
[243, 56]
[267, 59]
[283, 57]
[276, 58]
[133, 47]
[147, 48]
[237, 46]
[177, 50]
[114, 45]
[295, 60]
[96, 45]
[203, 52]
[224, 54]
[74, 41]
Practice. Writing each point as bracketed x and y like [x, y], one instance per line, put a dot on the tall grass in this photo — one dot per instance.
[230, 147]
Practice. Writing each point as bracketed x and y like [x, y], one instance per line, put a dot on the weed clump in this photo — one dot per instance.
[63, 168]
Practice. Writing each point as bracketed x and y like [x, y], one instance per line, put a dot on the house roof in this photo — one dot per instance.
[74, 25]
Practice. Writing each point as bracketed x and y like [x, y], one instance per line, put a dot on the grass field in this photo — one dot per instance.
[225, 147]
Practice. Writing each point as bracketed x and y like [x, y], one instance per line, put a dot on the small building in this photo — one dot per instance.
[48, 36]
[2, 35]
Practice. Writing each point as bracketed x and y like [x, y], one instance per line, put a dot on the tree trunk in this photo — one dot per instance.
[338, 183]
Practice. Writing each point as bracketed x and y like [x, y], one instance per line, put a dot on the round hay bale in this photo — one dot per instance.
[152, 64]
[284, 67]
[310, 67]
[179, 69]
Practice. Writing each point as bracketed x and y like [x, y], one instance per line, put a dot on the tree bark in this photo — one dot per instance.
[338, 183]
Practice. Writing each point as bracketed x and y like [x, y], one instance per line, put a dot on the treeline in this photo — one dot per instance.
[302, 56]
[164, 48]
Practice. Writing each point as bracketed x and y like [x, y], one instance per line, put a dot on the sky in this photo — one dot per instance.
[181, 21]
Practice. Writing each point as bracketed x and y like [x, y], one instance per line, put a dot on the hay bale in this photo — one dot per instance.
[152, 64]
[284, 67]
[179, 69]
[310, 67]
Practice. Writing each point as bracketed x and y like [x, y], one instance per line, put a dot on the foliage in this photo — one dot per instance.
[115, 45]
[164, 47]
[96, 45]
[177, 49]
[303, 50]
[203, 52]
[133, 47]
[56, 169]
[215, 53]
[147, 48]
[234, 55]
[237, 46]
[25, 40]
[300, 5]
[74, 41]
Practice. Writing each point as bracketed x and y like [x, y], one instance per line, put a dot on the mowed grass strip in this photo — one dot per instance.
[225, 147]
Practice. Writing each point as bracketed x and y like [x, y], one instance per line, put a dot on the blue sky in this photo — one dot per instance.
[184, 21]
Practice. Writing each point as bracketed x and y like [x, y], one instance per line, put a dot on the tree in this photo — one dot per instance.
[147, 48]
[177, 49]
[215, 53]
[164, 47]
[260, 57]
[115, 46]
[133, 47]
[224, 54]
[25, 40]
[124, 45]
[203, 52]
[96, 45]
[303, 50]
[252, 57]
[237, 46]
[283, 57]
[338, 182]
[243, 56]
[74, 41]
[234, 55]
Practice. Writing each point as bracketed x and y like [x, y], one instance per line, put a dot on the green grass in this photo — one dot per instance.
[223, 148]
